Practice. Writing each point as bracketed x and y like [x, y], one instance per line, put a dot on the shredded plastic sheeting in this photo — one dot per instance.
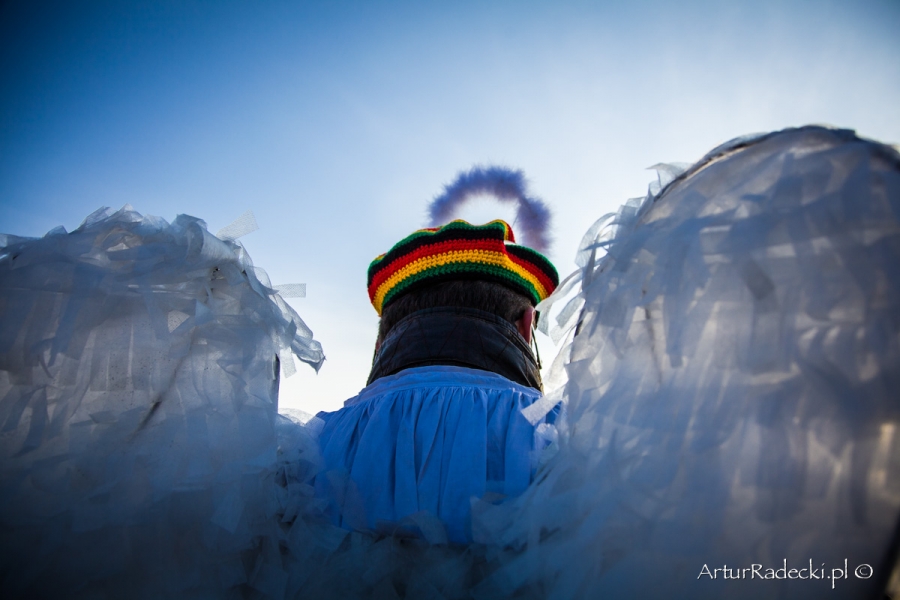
[728, 378]
[291, 290]
[244, 224]
[138, 412]
[732, 386]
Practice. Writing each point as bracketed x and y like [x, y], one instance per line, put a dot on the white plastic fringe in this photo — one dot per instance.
[291, 290]
[138, 400]
[244, 224]
[731, 397]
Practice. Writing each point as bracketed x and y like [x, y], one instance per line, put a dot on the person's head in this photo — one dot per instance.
[460, 265]
[467, 293]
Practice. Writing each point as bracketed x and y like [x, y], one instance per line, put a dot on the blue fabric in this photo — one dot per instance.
[426, 439]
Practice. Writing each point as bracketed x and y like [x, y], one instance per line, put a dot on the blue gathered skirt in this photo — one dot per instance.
[422, 444]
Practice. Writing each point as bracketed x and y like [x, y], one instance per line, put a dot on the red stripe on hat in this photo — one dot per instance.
[432, 250]
[534, 270]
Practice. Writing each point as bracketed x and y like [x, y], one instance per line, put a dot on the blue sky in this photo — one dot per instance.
[337, 122]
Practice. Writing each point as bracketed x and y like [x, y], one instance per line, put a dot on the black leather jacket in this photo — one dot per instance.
[463, 337]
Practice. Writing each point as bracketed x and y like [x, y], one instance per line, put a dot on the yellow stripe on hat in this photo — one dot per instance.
[500, 259]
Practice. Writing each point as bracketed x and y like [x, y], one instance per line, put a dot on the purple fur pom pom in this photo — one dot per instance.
[506, 185]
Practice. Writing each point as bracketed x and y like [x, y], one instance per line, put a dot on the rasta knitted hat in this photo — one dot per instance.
[460, 250]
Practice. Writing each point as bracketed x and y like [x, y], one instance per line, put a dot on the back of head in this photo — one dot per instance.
[454, 296]
[464, 293]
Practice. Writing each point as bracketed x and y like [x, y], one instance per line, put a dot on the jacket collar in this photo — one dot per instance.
[462, 337]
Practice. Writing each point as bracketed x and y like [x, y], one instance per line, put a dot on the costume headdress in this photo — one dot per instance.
[460, 250]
